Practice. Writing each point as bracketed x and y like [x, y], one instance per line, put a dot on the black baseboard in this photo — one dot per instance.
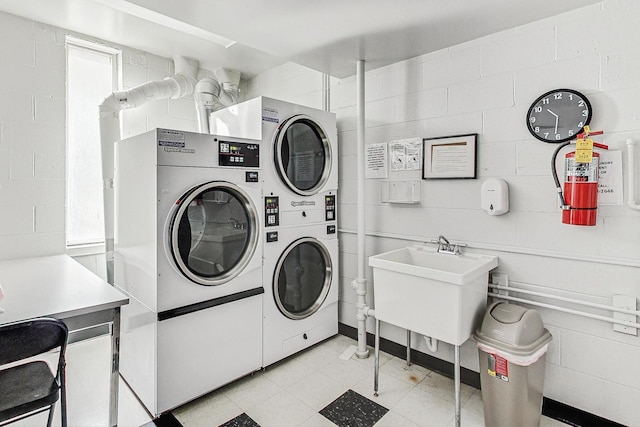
[550, 408]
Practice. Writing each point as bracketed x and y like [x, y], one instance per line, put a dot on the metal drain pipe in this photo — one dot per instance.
[360, 284]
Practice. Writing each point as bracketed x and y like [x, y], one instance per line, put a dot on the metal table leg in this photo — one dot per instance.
[115, 368]
[376, 359]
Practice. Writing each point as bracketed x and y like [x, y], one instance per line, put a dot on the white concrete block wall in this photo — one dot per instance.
[486, 86]
[32, 140]
[33, 132]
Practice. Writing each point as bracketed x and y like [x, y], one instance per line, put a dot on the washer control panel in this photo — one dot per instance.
[233, 153]
[330, 208]
[271, 211]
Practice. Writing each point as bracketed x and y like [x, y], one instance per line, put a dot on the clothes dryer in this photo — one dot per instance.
[301, 289]
[188, 252]
[301, 148]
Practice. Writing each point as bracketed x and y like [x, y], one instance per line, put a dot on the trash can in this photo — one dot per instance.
[512, 345]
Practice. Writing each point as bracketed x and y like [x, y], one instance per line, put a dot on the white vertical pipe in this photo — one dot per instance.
[631, 202]
[326, 92]
[361, 282]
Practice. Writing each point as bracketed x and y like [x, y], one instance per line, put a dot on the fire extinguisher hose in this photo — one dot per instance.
[554, 172]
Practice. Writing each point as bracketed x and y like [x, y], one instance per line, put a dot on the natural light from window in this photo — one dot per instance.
[91, 77]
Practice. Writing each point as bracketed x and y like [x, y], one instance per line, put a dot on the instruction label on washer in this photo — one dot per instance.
[170, 138]
[498, 367]
[270, 115]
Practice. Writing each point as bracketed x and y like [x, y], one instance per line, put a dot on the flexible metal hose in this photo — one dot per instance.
[554, 171]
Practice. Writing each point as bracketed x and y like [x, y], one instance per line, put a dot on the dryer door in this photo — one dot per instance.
[302, 278]
[213, 233]
[302, 155]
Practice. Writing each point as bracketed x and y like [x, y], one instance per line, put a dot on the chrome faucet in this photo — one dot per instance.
[442, 241]
[444, 246]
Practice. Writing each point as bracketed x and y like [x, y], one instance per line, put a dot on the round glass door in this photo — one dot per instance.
[302, 155]
[213, 233]
[302, 278]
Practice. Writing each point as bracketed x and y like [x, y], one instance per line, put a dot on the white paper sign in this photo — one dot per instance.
[610, 190]
[406, 154]
[376, 161]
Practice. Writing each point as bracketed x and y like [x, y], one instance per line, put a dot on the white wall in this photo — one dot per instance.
[33, 132]
[486, 86]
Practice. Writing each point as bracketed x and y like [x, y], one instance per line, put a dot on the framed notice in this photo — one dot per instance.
[449, 157]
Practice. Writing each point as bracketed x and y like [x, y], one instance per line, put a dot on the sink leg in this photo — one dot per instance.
[408, 347]
[376, 359]
[456, 375]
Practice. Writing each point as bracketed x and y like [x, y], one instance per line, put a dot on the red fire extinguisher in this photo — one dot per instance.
[579, 194]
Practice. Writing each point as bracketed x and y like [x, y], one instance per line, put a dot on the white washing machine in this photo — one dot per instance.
[301, 289]
[300, 143]
[188, 252]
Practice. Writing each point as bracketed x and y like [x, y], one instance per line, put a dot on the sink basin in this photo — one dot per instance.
[443, 296]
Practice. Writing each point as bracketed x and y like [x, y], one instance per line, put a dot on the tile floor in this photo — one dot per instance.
[289, 393]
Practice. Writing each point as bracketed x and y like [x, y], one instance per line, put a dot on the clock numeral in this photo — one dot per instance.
[557, 136]
[585, 113]
[545, 101]
[580, 125]
[538, 109]
[570, 132]
[557, 95]
[581, 103]
[571, 97]
[536, 129]
[532, 119]
[546, 134]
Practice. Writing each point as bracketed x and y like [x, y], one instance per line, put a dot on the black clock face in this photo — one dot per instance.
[558, 115]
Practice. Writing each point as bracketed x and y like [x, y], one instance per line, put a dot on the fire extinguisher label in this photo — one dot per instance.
[581, 172]
[498, 367]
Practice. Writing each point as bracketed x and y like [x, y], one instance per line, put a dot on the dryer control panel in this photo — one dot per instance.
[271, 211]
[330, 208]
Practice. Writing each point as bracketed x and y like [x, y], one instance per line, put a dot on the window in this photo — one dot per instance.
[91, 77]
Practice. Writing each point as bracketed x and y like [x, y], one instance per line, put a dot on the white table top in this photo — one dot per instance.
[53, 286]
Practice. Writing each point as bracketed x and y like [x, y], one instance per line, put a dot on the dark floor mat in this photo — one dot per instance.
[242, 420]
[353, 410]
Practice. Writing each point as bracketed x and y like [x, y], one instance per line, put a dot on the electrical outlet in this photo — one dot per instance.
[629, 303]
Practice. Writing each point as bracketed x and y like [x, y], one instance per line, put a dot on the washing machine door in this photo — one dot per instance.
[213, 233]
[302, 278]
[302, 155]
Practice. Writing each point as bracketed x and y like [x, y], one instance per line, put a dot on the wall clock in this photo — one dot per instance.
[558, 115]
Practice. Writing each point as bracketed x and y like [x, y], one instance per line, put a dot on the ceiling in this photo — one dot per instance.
[253, 36]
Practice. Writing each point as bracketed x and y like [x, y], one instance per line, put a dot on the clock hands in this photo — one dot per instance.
[556, 116]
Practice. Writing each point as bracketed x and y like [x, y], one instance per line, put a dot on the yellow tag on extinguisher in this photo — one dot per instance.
[584, 150]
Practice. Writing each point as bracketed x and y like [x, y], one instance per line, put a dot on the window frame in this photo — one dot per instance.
[88, 247]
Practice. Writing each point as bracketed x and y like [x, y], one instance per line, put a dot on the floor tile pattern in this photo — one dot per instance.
[291, 392]
[242, 420]
[353, 410]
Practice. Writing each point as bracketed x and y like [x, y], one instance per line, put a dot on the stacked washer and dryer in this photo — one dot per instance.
[188, 252]
[227, 247]
[300, 172]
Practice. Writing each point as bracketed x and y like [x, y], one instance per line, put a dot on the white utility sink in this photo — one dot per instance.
[439, 295]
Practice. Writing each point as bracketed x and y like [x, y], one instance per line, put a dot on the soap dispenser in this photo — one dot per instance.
[494, 197]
